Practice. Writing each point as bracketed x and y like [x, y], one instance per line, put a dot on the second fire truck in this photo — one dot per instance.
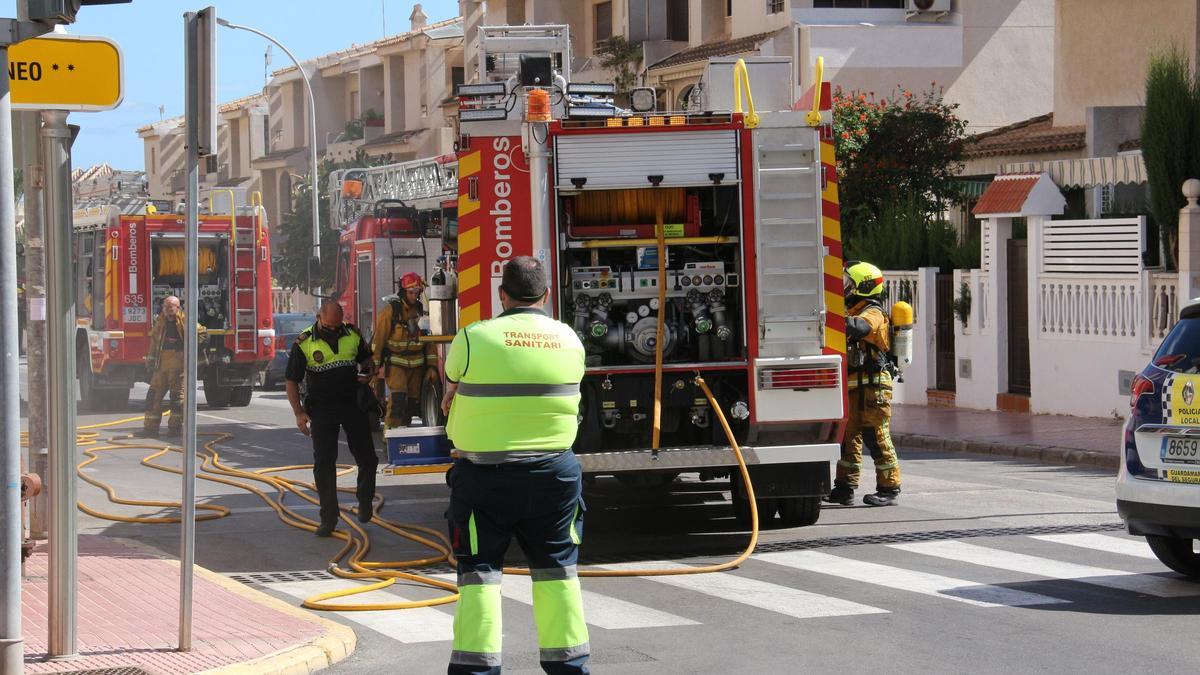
[125, 265]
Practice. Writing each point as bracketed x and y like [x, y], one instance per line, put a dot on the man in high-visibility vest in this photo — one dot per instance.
[513, 398]
[327, 358]
[406, 362]
[869, 379]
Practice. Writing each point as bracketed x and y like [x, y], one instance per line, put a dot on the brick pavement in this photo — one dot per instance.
[1054, 439]
[128, 613]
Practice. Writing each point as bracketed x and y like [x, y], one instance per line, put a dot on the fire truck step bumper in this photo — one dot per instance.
[704, 457]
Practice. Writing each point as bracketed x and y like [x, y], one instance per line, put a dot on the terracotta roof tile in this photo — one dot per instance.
[1131, 144]
[394, 137]
[1034, 135]
[709, 50]
[358, 50]
[1006, 194]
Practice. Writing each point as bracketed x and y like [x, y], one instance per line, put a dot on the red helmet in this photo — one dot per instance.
[411, 280]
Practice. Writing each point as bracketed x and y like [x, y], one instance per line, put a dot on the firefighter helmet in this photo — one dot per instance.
[412, 280]
[863, 280]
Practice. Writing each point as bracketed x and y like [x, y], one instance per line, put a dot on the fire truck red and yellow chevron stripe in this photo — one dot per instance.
[470, 291]
[831, 230]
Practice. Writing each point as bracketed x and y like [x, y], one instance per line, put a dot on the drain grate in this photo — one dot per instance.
[280, 577]
[936, 535]
[834, 542]
[772, 547]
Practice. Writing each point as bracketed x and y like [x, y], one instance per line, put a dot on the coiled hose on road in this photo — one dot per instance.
[350, 561]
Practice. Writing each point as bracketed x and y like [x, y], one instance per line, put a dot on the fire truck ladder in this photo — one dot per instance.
[243, 249]
[409, 182]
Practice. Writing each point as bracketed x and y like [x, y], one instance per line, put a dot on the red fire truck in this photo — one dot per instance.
[125, 265]
[753, 297]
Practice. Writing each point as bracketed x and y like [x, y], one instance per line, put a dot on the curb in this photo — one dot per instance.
[1045, 454]
[335, 644]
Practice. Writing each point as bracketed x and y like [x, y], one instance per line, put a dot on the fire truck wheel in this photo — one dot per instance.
[215, 395]
[239, 397]
[741, 506]
[799, 511]
[431, 404]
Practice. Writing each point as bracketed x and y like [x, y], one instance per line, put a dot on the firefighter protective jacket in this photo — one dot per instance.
[395, 339]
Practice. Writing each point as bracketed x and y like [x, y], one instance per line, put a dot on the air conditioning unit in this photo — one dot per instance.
[927, 6]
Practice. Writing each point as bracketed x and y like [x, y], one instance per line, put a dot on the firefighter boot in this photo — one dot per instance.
[326, 529]
[841, 494]
[883, 497]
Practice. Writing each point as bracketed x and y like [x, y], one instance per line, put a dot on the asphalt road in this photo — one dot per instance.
[986, 566]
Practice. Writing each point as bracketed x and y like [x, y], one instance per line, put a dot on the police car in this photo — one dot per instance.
[1158, 486]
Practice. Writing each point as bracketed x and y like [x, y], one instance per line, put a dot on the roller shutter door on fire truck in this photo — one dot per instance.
[611, 161]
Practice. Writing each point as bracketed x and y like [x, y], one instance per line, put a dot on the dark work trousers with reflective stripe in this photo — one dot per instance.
[540, 502]
[325, 420]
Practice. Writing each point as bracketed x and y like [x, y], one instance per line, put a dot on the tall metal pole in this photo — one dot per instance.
[29, 134]
[11, 641]
[60, 334]
[187, 553]
[312, 147]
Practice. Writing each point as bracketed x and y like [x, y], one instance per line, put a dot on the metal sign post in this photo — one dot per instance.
[200, 110]
[60, 356]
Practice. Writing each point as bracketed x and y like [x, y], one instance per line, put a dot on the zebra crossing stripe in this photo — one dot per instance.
[1045, 567]
[599, 610]
[969, 592]
[761, 594]
[1137, 548]
[410, 626]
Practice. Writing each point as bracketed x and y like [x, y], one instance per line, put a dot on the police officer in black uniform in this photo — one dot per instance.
[332, 359]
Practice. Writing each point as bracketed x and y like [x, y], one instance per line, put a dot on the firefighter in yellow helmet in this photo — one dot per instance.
[406, 362]
[869, 379]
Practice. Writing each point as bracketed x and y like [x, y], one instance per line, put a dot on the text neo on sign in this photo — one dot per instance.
[25, 70]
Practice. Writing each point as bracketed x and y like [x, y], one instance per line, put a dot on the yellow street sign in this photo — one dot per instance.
[66, 72]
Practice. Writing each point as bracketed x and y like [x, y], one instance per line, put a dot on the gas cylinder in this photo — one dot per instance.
[902, 334]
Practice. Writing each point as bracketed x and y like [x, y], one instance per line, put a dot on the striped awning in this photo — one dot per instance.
[1088, 172]
[971, 189]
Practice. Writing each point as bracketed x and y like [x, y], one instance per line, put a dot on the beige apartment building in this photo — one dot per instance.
[1089, 141]
[393, 98]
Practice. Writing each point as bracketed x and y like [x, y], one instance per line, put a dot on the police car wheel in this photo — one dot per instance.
[1177, 553]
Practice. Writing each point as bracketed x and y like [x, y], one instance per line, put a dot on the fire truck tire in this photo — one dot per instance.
[431, 404]
[741, 506]
[799, 511]
[215, 395]
[239, 397]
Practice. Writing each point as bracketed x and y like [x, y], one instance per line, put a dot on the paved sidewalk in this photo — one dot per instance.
[128, 613]
[1054, 439]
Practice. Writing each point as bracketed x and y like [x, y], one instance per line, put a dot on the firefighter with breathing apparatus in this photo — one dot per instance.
[877, 349]
[406, 362]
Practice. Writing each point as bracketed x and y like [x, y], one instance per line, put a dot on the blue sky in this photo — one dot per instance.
[150, 33]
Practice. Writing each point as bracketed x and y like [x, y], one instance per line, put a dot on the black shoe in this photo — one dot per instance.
[365, 511]
[882, 498]
[841, 494]
[326, 529]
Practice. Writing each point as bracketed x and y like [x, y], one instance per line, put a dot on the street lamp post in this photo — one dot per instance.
[312, 145]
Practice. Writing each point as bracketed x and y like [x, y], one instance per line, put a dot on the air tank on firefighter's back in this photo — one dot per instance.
[442, 293]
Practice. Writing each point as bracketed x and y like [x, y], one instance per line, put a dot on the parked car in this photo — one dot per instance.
[1158, 486]
[287, 328]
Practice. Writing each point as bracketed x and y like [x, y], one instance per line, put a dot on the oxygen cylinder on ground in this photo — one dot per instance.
[903, 317]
